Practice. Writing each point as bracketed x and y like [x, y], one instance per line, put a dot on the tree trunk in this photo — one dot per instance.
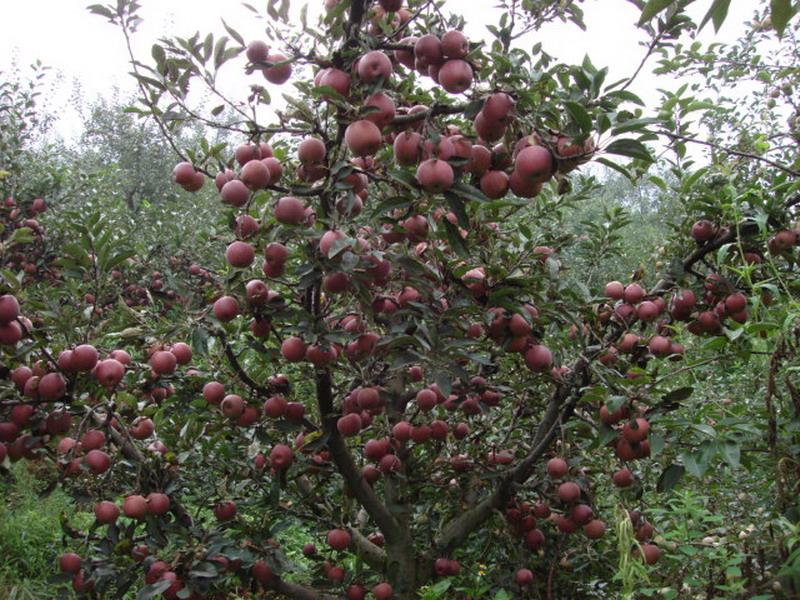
[402, 569]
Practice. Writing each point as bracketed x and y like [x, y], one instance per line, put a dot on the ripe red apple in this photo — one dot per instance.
[213, 392]
[569, 492]
[275, 407]
[337, 80]
[363, 138]
[232, 406]
[633, 294]
[93, 440]
[557, 468]
[636, 430]
[498, 108]
[373, 66]
[390, 463]
[539, 358]
[454, 44]
[581, 514]
[97, 461]
[407, 148]
[262, 572]
[255, 175]
[278, 73]
[281, 456]
[349, 425]
[134, 507]
[257, 51]
[183, 173]
[385, 112]
[523, 577]
[614, 290]
[659, 345]
[293, 349]
[109, 372]
[650, 553]
[235, 193]
[240, 254]
[225, 510]
[435, 176]
[84, 357]
[428, 51]
[534, 163]
[703, 230]
[106, 512]
[735, 303]
[594, 529]
[382, 591]
[50, 387]
[455, 76]
[494, 184]
[623, 478]
[157, 503]
[290, 210]
[338, 539]
[356, 592]
[163, 362]
[311, 150]
[226, 308]
[142, 428]
[69, 562]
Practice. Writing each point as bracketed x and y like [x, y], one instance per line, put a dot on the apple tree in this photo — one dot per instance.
[397, 377]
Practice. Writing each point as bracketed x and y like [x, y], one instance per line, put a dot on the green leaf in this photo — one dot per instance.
[656, 444]
[468, 192]
[717, 14]
[579, 114]
[780, 12]
[652, 8]
[630, 147]
[626, 96]
[706, 429]
[731, 452]
[669, 478]
[678, 394]
[23, 235]
[455, 240]
[99, 9]
[153, 590]
[633, 125]
[443, 381]
[692, 465]
[615, 166]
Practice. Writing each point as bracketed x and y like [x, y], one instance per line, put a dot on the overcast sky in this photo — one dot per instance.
[85, 50]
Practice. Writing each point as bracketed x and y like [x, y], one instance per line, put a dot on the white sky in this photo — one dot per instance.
[84, 49]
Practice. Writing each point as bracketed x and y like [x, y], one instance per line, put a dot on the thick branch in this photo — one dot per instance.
[371, 554]
[301, 592]
[436, 109]
[561, 401]
[346, 466]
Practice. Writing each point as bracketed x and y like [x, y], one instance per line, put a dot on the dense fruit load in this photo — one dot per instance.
[388, 359]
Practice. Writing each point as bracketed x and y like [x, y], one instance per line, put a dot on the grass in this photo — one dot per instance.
[30, 536]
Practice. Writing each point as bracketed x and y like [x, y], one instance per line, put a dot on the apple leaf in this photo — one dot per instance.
[716, 14]
[780, 13]
[631, 148]
[652, 8]
[669, 478]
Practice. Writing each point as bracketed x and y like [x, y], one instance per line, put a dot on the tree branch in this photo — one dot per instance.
[772, 163]
[373, 555]
[301, 592]
[341, 456]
